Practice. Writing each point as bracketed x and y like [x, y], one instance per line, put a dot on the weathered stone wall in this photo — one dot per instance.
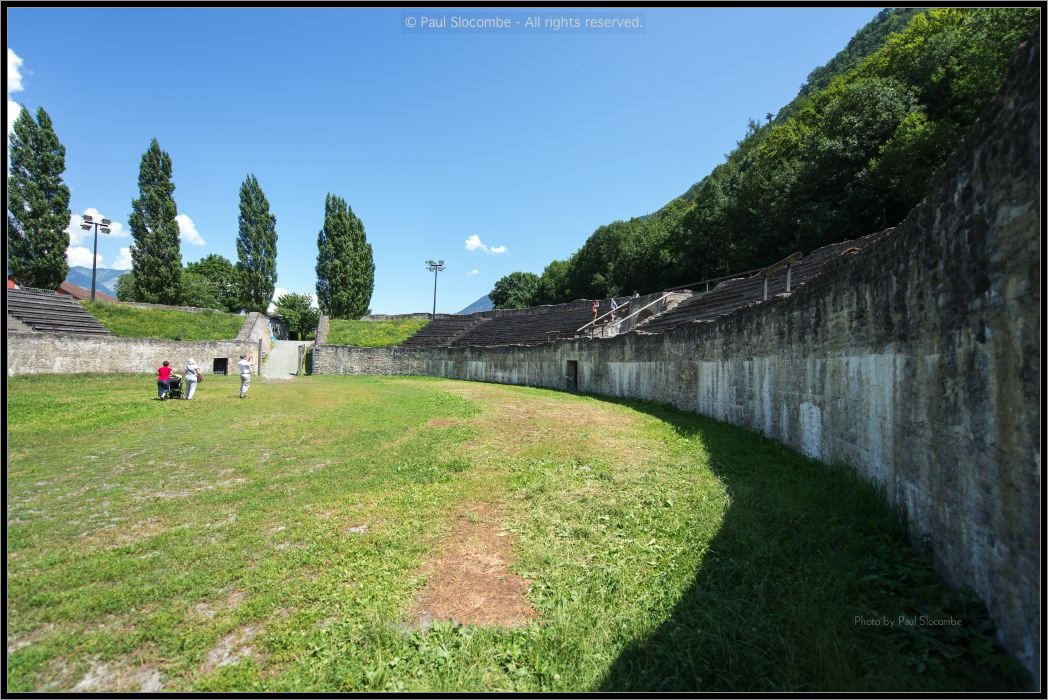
[917, 362]
[256, 327]
[323, 325]
[67, 353]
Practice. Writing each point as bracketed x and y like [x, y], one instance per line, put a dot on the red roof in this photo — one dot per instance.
[80, 293]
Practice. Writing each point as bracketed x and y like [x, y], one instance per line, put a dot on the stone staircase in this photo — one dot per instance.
[46, 311]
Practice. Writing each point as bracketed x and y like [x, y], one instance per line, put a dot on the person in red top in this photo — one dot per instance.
[163, 380]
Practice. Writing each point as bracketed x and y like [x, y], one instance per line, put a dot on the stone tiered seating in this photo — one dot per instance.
[551, 323]
[508, 328]
[442, 331]
[42, 310]
[735, 294]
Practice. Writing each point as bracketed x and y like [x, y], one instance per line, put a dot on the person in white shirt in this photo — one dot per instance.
[245, 375]
[192, 376]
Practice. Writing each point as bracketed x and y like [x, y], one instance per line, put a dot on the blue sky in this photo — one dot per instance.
[526, 140]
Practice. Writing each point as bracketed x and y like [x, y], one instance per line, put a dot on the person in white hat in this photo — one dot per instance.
[192, 377]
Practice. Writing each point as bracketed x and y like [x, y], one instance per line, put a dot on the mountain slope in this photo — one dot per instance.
[105, 279]
[482, 304]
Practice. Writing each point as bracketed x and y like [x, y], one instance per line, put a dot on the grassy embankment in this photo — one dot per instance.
[373, 333]
[280, 543]
[134, 322]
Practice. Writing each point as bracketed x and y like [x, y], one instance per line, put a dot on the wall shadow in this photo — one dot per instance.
[811, 584]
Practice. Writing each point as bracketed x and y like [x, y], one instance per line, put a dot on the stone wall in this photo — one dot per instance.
[67, 353]
[917, 362]
[256, 327]
[323, 326]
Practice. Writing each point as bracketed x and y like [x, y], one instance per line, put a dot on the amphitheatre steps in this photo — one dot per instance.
[540, 325]
[737, 293]
[46, 311]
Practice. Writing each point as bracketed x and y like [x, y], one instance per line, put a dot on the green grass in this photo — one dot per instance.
[373, 333]
[667, 551]
[134, 322]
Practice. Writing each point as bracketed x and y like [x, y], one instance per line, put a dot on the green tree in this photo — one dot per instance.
[296, 310]
[198, 290]
[126, 286]
[156, 256]
[37, 203]
[552, 286]
[222, 275]
[256, 247]
[345, 267]
[515, 291]
[852, 154]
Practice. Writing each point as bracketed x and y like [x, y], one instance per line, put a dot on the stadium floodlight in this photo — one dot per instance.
[88, 223]
[435, 266]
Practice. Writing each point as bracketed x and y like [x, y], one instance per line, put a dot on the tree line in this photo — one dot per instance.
[38, 218]
[850, 155]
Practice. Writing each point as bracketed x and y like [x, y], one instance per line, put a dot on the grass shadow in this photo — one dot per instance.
[811, 584]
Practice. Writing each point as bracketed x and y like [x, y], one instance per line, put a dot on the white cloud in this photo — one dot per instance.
[472, 273]
[78, 256]
[277, 293]
[14, 84]
[187, 230]
[77, 234]
[14, 72]
[474, 243]
[123, 260]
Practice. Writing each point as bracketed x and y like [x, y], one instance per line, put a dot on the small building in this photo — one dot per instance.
[77, 292]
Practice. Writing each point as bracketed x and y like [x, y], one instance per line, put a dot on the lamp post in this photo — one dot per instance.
[88, 222]
[435, 266]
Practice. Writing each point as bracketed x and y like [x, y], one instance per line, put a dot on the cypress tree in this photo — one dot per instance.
[345, 267]
[37, 204]
[156, 255]
[256, 247]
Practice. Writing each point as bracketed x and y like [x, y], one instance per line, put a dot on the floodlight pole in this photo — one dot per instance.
[88, 223]
[435, 267]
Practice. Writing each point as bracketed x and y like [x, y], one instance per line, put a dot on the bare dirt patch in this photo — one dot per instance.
[121, 677]
[16, 642]
[230, 649]
[207, 609]
[440, 422]
[469, 581]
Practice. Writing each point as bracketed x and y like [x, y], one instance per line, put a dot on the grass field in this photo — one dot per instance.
[373, 333]
[309, 537]
[134, 322]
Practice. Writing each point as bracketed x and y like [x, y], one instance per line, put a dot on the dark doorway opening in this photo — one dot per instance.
[573, 375]
[220, 366]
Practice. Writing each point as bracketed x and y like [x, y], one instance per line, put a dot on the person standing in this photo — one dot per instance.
[596, 307]
[163, 380]
[192, 376]
[614, 306]
[245, 375]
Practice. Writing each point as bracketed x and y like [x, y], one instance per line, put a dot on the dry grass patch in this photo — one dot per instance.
[470, 582]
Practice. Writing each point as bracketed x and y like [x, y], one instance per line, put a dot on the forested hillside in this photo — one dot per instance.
[851, 154]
